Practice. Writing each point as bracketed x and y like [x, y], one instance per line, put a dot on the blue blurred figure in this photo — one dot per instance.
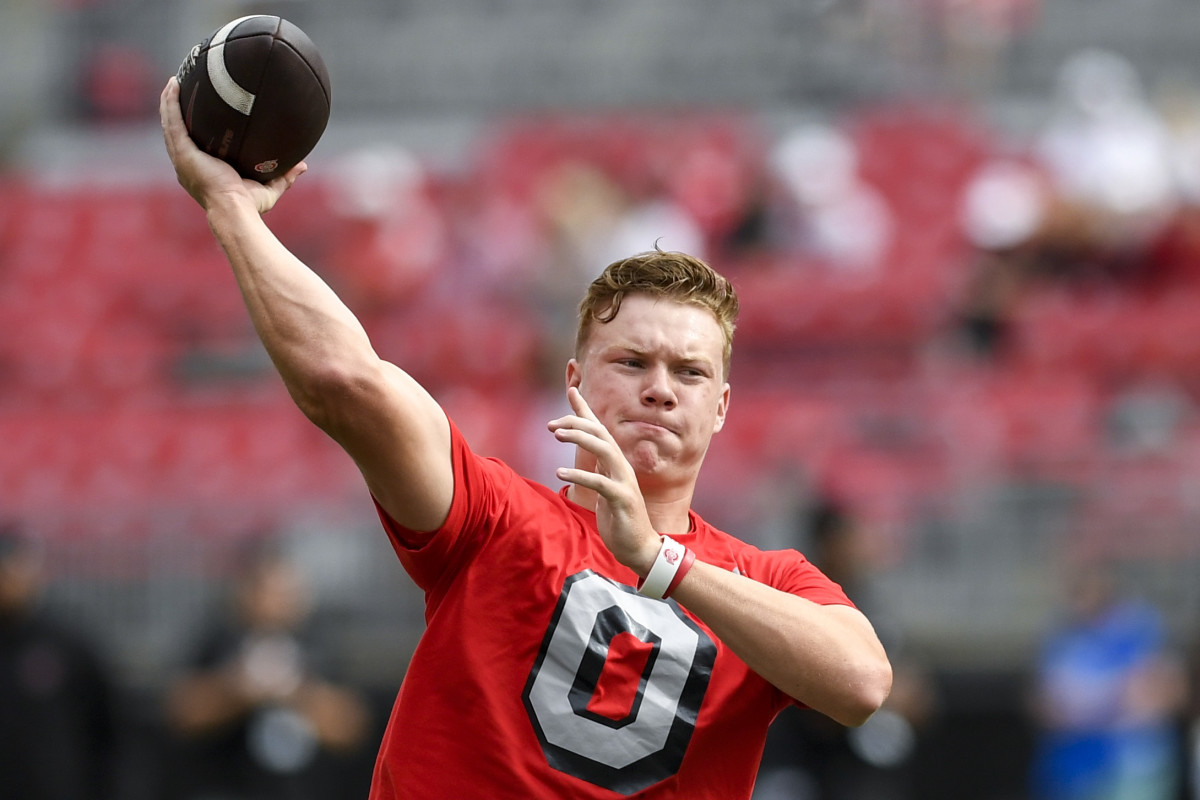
[1107, 697]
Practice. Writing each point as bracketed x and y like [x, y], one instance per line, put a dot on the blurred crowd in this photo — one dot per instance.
[252, 712]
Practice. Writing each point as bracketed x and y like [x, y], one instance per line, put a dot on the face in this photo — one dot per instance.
[20, 579]
[273, 597]
[654, 376]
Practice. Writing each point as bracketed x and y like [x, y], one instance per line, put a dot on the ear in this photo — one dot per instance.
[722, 408]
[574, 374]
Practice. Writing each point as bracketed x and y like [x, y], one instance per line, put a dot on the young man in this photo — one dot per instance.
[551, 665]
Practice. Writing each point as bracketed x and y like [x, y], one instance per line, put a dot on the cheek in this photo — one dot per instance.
[600, 402]
[605, 389]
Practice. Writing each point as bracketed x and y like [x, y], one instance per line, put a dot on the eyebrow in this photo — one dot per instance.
[683, 358]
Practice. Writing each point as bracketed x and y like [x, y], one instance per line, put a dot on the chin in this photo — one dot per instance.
[646, 457]
[645, 468]
[658, 472]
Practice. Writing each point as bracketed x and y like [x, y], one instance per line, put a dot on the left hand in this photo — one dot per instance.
[621, 515]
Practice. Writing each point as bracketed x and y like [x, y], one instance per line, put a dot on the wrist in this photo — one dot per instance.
[671, 563]
[644, 561]
[225, 208]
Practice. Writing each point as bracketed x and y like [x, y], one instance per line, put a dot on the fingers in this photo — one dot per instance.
[587, 433]
[589, 439]
[288, 179]
[583, 414]
[583, 478]
[175, 133]
[585, 430]
[164, 113]
[168, 106]
[578, 404]
[170, 85]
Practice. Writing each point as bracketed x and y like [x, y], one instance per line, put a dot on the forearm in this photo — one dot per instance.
[203, 702]
[338, 715]
[827, 657]
[308, 332]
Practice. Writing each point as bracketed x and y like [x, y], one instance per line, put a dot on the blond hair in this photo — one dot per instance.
[660, 274]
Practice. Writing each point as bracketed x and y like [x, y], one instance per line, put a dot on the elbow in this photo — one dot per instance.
[326, 394]
[868, 692]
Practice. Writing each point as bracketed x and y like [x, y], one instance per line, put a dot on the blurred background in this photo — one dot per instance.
[966, 235]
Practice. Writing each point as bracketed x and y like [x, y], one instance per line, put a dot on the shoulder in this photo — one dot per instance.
[787, 570]
[489, 498]
[496, 490]
[714, 544]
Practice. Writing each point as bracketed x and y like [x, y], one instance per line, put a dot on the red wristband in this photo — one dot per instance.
[688, 559]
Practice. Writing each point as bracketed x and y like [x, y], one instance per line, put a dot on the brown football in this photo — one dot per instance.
[255, 94]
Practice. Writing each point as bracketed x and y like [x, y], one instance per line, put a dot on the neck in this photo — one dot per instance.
[667, 515]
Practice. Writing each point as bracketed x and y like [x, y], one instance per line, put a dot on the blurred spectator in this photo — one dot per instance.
[1173, 262]
[579, 205]
[1110, 157]
[1106, 146]
[255, 715]
[594, 218]
[1101, 201]
[57, 716]
[810, 757]
[1000, 213]
[1107, 697]
[827, 211]
[1091, 205]
[588, 217]
[1004, 204]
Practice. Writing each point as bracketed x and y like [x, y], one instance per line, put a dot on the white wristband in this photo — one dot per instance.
[662, 572]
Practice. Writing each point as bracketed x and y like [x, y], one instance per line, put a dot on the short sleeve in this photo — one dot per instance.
[790, 571]
[480, 486]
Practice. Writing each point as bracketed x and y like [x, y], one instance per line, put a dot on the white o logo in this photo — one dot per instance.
[646, 743]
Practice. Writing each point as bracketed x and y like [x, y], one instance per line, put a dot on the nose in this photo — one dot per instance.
[658, 390]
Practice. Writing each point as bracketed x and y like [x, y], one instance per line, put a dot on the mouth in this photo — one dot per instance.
[647, 425]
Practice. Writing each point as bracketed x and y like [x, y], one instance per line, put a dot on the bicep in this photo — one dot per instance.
[399, 437]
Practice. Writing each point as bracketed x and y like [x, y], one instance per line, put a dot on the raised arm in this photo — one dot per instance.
[392, 428]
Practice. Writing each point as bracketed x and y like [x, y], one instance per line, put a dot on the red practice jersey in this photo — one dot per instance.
[542, 674]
